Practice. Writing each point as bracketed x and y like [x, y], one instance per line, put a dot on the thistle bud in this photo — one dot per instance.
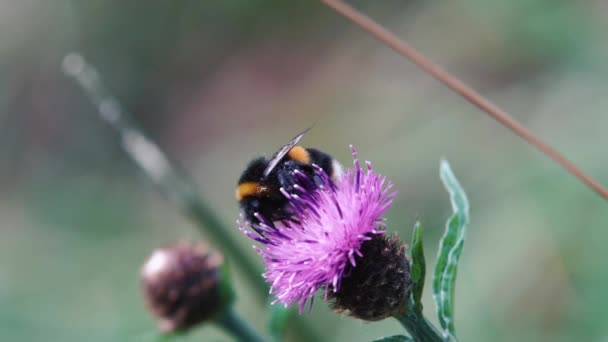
[182, 285]
[380, 283]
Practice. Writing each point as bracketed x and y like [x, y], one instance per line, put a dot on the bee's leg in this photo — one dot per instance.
[286, 176]
[288, 179]
[318, 180]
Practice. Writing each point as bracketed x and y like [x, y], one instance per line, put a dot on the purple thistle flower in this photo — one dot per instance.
[330, 222]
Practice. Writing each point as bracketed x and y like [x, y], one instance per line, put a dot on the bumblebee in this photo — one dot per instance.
[258, 188]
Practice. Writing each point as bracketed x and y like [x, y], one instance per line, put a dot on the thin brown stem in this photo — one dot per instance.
[455, 84]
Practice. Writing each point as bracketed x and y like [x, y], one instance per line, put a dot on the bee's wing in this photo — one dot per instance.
[276, 158]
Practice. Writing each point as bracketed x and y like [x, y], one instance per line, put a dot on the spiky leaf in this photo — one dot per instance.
[450, 248]
[418, 267]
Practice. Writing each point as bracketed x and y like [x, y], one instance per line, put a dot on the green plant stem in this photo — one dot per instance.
[173, 184]
[156, 165]
[233, 324]
[204, 216]
[419, 327]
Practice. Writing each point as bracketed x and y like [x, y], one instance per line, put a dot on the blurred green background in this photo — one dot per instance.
[219, 82]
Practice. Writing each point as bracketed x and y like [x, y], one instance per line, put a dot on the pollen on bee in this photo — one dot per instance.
[299, 154]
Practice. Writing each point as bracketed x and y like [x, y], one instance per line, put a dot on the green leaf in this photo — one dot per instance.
[418, 267]
[394, 338]
[279, 316]
[450, 248]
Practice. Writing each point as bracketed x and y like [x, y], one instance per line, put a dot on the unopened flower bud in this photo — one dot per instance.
[379, 285]
[182, 285]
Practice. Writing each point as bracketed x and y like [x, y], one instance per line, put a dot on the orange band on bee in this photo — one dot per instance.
[299, 154]
[247, 189]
